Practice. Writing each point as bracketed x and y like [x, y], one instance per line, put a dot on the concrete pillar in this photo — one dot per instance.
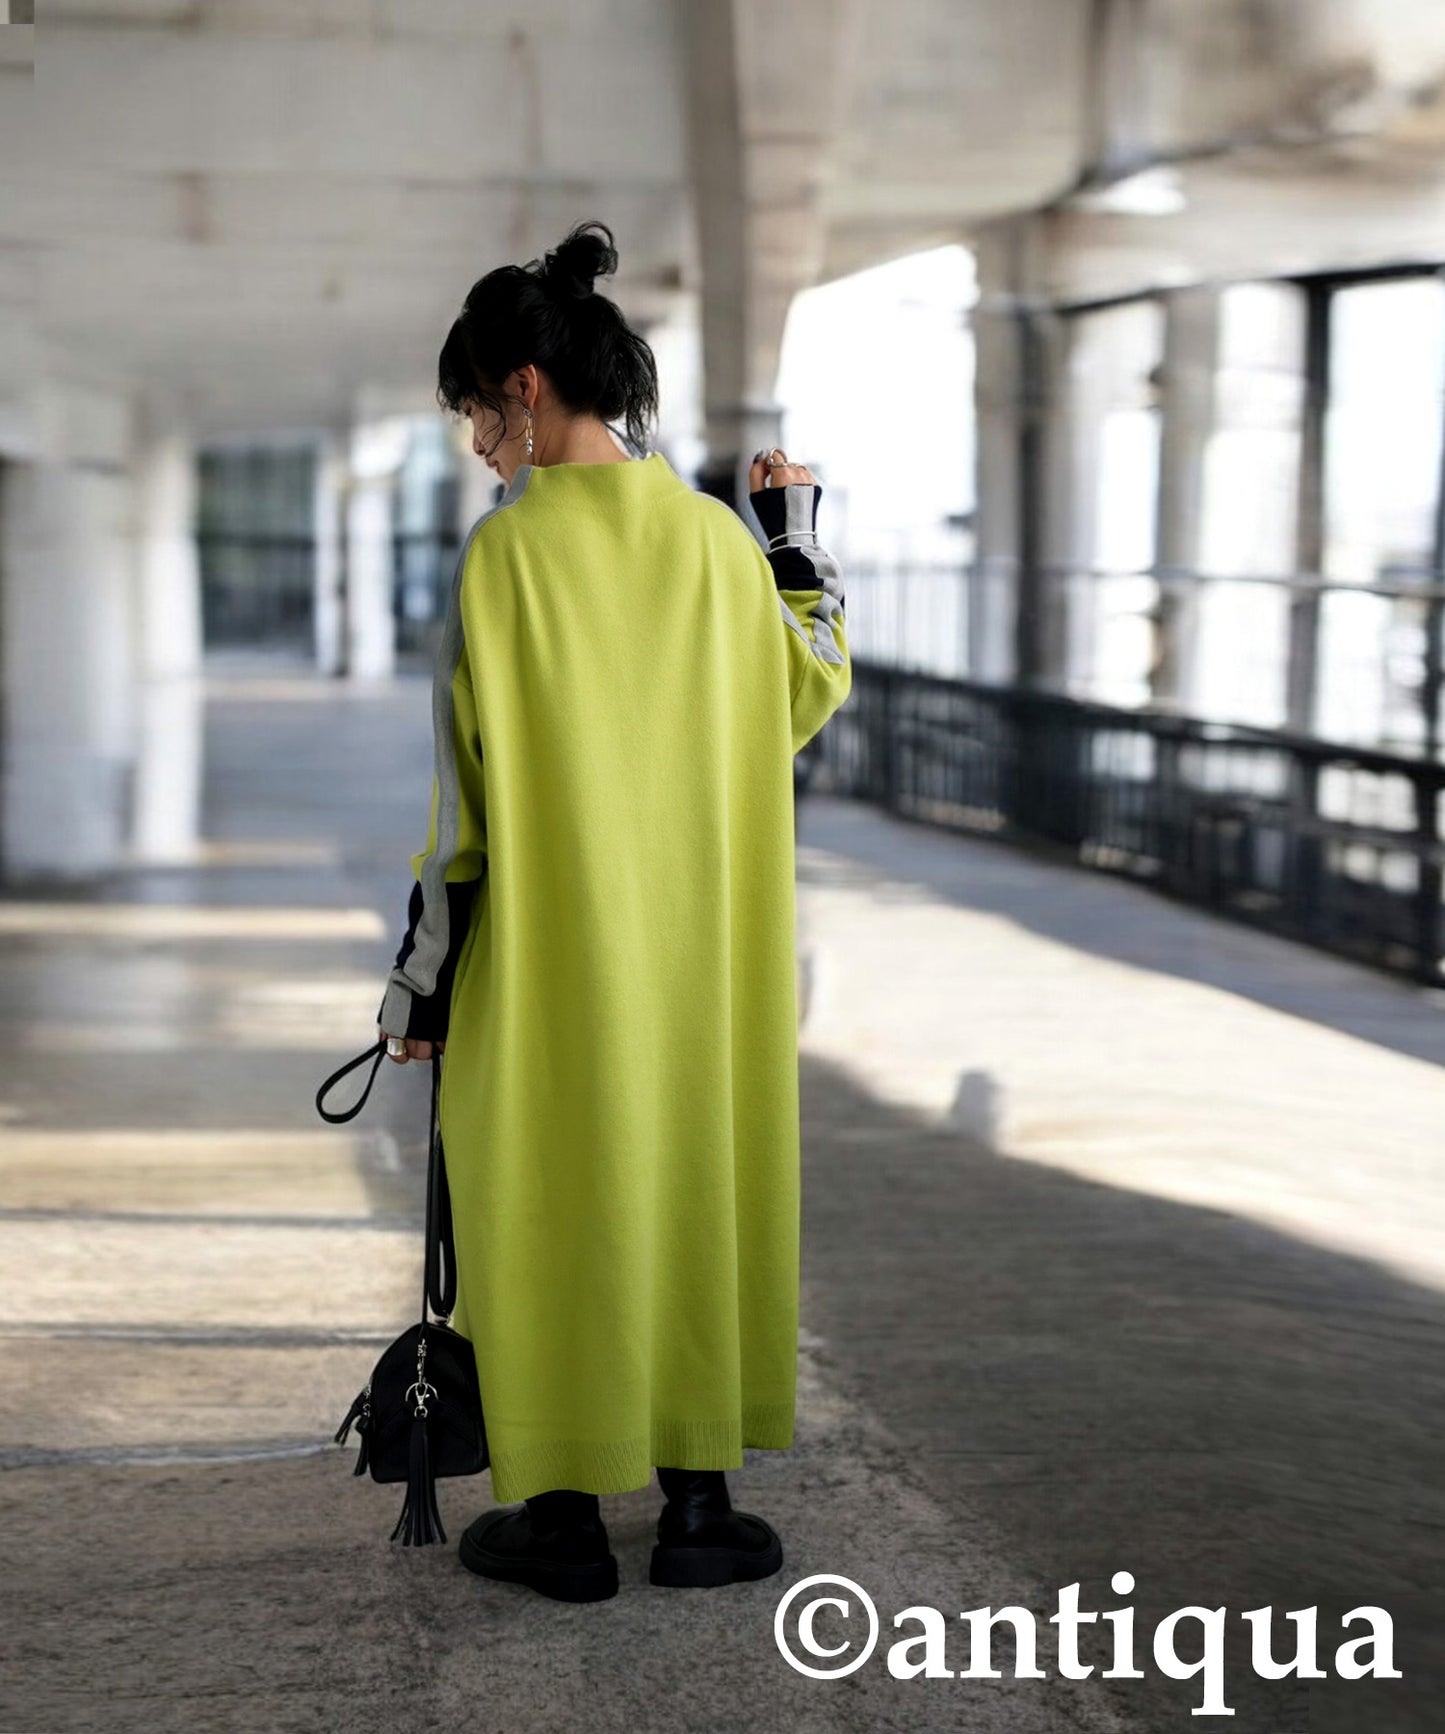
[1189, 374]
[717, 163]
[166, 811]
[377, 451]
[993, 592]
[1053, 397]
[1302, 677]
[67, 651]
[1016, 361]
[758, 199]
[735, 432]
[328, 518]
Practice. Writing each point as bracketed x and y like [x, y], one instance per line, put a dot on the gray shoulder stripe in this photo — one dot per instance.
[827, 612]
[822, 644]
[418, 975]
[791, 619]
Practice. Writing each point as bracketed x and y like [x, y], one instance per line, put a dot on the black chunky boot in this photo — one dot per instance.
[702, 1541]
[555, 1543]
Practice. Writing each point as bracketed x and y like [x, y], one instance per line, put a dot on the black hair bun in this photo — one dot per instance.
[587, 253]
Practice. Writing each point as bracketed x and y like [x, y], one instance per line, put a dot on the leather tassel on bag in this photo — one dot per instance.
[360, 1414]
[421, 1519]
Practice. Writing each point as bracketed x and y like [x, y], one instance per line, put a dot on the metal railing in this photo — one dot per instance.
[1336, 845]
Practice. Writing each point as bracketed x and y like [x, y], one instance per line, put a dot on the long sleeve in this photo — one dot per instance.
[429, 1015]
[448, 869]
[810, 594]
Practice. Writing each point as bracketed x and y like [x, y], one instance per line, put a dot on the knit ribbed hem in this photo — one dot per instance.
[620, 1466]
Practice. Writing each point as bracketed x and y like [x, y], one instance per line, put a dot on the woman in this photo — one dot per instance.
[602, 933]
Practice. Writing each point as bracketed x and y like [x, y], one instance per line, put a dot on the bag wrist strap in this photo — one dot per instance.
[375, 1054]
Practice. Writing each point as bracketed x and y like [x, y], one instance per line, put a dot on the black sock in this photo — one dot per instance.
[563, 1509]
[708, 1487]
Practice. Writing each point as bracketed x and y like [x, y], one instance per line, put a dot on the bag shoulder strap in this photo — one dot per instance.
[439, 1285]
[439, 1275]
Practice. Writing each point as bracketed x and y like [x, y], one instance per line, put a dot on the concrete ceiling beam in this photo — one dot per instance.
[767, 95]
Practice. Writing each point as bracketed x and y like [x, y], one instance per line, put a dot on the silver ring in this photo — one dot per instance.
[395, 1047]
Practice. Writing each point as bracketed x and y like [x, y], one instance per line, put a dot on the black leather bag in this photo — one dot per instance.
[420, 1413]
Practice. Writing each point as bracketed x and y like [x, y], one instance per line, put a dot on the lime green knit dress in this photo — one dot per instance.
[623, 682]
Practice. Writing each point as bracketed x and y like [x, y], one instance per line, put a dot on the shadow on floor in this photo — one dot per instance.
[1101, 1381]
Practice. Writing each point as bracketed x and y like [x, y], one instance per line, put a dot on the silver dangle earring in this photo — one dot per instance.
[528, 447]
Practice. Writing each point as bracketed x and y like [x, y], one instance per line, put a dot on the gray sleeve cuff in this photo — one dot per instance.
[395, 1007]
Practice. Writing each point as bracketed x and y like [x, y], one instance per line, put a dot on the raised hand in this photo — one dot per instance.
[771, 469]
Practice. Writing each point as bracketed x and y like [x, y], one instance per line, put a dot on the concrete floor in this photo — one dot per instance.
[1123, 1251]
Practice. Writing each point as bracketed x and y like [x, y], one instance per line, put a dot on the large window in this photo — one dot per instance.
[1101, 592]
[1208, 445]
[1248, 531]
[877, 376]
[254, 533]
[1382, 510]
